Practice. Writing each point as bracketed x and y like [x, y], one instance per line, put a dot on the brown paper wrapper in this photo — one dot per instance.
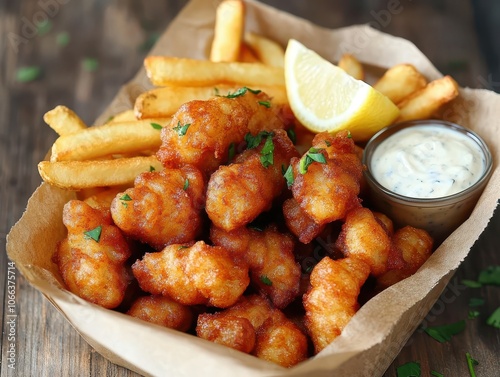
[375, 335]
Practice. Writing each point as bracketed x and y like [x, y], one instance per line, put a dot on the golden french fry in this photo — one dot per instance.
[124, 116]
[76, 175]
[400, 81]
[268, 51]
[64, 121]
[228, 31]
[164, 102]
[352, 66]
[425, 102]
[247, 55]
[165, 71]
[108, 139]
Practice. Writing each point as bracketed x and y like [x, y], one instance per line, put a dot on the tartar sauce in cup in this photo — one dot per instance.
[426, 173]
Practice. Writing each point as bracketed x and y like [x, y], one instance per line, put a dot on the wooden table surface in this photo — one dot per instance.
[107, 41]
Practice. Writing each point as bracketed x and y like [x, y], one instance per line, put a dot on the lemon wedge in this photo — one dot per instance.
[324, 97]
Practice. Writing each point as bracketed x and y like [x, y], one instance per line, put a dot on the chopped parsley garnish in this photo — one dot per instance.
[94, 234]
[186, 184]
[231, 152]
[182, 247]
[411, 369]
[254, 141]
[312, 155]
[494, 319]
[241, 91]
[471, 283]
[216, 91]
[267, 152]
[63, 39]
[111, 117]
[349, 136]
[151, 168]
[265, 103]
[156, 126]
[473, 314]
[475, 302]
[90, 64]
[292, 135]
[264, 279]
[490, 276]
[125, 198]
[471, 363]
[288, 174]
[255, 227]
[444, 333]
[181, 129]
[27, 74]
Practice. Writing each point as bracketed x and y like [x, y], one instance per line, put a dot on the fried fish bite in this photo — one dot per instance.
[365, 237]
[91, 259]
[333, 297]
[269, 255]
[192, 275]
[410, 248]
[252, 325]
[163, 311]
[201, 132]
[238, 193]
[163, 207]
[329, 188]
[299, 222]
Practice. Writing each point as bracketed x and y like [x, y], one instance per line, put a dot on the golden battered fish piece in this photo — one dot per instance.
[411, 247]
[163, 207]
[91, 259]
[269, 255]
[201, 132]
[363, 236]
[272, 336]
[300, 223]
[333, 298]
[238, 193]
[192, 275]
[163, 311]
[327, 178]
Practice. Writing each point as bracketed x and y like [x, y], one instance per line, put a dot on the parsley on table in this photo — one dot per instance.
[475, 302]
[490, 276]
[436, 374]
[63, 39]
[90, 64]
[471, 283]
[445, 332]
[27, 74]
[411, 369]
[494, 319]
[312, 155]
[94, 234]
[44, 27]
[473, 314]
[181, 129]
[471, 363]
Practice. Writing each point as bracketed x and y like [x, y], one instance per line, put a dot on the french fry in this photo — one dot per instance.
[352, 66]
[108, 139]
[165, 71]
[425, 102]
[268, 51]
[76, 175]
[400, 81]
[228, 31]
[124, 116]
[64, 121]
[164, 102]
[247, 55]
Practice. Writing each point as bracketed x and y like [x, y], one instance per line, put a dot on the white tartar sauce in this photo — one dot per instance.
[427, 162]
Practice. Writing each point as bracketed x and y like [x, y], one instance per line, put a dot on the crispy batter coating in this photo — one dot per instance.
[191, 275]
[214, 125]
[364, 237]
[162, 208]
[333, 298]
[102, 199]
[411, 247]
[327, 191]
[269, 254]
[93, 264]
[162, 311]
[270, 336]
[299, 222]
[239, 192]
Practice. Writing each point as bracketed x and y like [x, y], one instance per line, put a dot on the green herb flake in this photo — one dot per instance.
[494, 319]
[411, 369]
[289, 176]
[254, 141]
[94, 234]
[436, 374]
[313, 155]
[181, 129]
[471, 363]
[231, 152]
[126, 197]
[471, 283]
[186, 184]
[444, 333]
[27, 74]
[151, 168]
[255, 227]
[265, 103]
[292, 135]
[490, 276]
[90, 64]
[267, 152]
[110, 119]
[63, 39]
[474, 302]
[241, 91]
[156, 126]
[264, 279]
[473, 314]
[216, 92]
[349, 136]
[44, 27]
[182, 247]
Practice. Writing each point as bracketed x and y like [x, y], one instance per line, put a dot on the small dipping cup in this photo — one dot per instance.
[440, 216]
